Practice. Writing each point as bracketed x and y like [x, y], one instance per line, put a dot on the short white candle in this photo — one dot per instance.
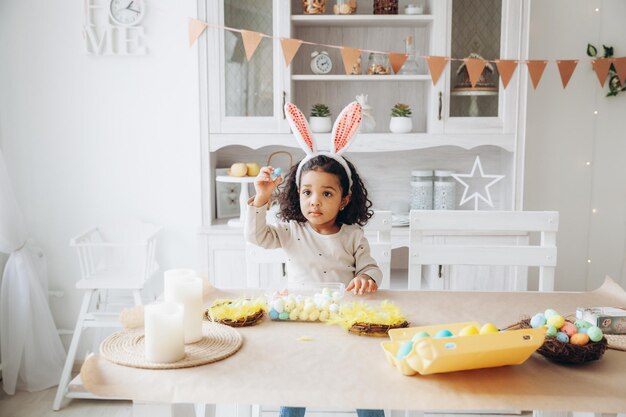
[164, 336]
[183, 286]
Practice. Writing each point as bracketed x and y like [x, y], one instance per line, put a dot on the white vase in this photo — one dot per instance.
[320, 124]
[400, 124]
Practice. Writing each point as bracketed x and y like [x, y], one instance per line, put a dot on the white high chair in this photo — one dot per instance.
[119, 258]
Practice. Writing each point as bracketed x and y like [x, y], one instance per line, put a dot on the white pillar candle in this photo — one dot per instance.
[183, 286]
[164, 336]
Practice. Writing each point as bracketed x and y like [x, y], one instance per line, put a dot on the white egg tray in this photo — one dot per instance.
[309, 302]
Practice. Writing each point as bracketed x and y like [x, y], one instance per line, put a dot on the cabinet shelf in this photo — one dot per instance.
[362, 20]
[342, 77]
[370, 142]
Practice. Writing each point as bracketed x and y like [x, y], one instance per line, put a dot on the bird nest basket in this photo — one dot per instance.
[211, 314]
[375, 330]
[565, 352]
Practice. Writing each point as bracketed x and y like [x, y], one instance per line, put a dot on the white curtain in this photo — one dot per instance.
[31, 351]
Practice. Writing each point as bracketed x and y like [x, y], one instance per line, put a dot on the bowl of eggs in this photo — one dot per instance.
[567, 341]
[458, 347]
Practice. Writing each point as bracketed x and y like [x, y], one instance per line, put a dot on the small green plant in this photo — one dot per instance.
[401, 110]
[320, 110]
[615, 86]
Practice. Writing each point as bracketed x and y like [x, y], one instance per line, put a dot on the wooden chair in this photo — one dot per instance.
[445, 238]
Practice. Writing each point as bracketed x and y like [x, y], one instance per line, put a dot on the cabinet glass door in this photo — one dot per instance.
[475, 32]
[250, 91]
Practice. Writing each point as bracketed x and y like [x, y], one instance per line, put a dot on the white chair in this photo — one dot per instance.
[118, 259]
[442, 238]
[378, 231]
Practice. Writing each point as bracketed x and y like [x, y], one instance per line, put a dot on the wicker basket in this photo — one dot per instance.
[566, 352]
[249, 320]
[385, 6]
[375, 330]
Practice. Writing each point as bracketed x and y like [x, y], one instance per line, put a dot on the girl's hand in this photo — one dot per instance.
[362, 284]
[265, 186]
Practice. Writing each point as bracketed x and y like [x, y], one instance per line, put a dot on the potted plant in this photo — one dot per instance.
[401, 119]
[320, 122]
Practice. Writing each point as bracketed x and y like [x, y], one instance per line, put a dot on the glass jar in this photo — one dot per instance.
[378, 64]
[342, 7]
[444, 190]
[313, 6]
[422, 190]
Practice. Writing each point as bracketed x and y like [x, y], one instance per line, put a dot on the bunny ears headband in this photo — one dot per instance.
[343, 135]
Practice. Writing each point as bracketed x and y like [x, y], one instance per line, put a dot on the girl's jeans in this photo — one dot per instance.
[299, 412]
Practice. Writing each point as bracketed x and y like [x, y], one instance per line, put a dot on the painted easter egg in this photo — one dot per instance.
[405, 349]
[552, 331]
[580, 339]
[283, 316]
[569, 328]
[538, 320]
[582, 324]
[488, 328]
[594, 333]
[420, 335]
[562, 337]
[273, 314]
[468, 331]
[443, 333]
[550, 312]
[556, 321]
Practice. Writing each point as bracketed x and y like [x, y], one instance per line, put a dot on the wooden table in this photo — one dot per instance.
[338, 369]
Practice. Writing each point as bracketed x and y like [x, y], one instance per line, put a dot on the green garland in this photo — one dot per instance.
[615, 86]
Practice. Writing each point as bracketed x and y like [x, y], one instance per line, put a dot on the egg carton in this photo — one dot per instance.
[310, 302]
[449, 354]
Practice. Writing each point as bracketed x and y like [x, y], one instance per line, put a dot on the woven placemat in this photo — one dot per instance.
[616, 341]
[126, 348]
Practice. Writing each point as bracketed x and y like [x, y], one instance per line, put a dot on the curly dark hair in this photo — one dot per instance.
[358, 211]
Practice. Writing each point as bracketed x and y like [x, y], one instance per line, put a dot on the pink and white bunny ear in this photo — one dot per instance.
[300, 128]
[345, 127]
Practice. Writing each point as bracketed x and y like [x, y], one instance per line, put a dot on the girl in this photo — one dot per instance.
[322, 209]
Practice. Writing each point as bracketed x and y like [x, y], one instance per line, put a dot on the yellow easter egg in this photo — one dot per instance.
[556, 321]
[468, 331]
[488, 328]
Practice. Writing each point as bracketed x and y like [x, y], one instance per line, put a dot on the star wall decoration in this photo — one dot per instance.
[479, 192]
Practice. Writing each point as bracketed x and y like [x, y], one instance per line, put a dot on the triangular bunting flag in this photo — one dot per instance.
[436, 65]
[506, 68]
[350, 57]
[397, 60]
[474, 67]
[566, 69]
[535, 69]
[620, 67]
[196, 27]
[290, 48]
[601, 67]
[251, 41]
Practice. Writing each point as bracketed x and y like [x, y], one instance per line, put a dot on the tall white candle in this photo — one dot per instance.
[183, 286]
[164, 336]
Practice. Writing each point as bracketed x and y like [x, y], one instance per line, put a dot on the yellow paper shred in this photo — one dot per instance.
[305, 339]
[235, 309]
[387, 313]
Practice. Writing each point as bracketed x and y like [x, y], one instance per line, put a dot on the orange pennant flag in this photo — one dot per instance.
[251, 41]
[290, 48]
[535, 69]
[601, 67]
[397, 60]
[350, 57]
[436, 65]
[474, 67]
[566, 69]
[506, 68]
[620, 68]
[196, 27]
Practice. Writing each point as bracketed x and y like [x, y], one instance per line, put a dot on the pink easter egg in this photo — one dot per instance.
[569, 329]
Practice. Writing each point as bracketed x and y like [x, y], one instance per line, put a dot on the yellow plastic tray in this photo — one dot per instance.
[431, 356]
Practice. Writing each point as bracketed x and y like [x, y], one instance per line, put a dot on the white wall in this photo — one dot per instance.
[90, 138]
[564, 134]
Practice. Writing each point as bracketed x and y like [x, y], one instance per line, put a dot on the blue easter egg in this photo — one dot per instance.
[583, 330]
[594, 333]
[405, 349]
[443, 333]
[552, 331]
[283, 316]
[420, 335]
[538, 320]
[562, 337]
[277, 172]
[273, 314]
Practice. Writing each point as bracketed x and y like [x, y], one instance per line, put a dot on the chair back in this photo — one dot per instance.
[378, 231]
[440, 238]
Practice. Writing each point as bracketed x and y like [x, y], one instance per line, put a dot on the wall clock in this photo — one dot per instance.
[126, 12]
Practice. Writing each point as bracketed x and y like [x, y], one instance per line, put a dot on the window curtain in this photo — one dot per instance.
[31, 351]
